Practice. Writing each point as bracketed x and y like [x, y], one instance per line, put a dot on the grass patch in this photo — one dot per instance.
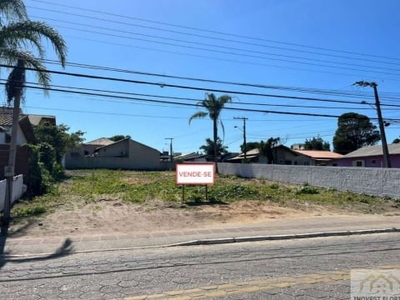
[91, 186]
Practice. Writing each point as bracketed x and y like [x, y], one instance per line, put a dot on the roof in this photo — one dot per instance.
[124, 140]
[6, 116]
[190, 156]
[373, 151]
[249, 154]
[319, 154]
[27, 128]
[101, 142]
[37, 119]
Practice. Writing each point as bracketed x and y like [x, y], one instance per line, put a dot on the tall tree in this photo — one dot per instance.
[316, 143]
[267, 149]
[213, 106]
[18, 37]
[209, 147]
[354, 131]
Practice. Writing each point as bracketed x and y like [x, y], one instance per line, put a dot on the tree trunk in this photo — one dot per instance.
[11, 157]
[215, 131]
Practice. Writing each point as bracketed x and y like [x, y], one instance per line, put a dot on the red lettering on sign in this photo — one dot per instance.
[190, 174]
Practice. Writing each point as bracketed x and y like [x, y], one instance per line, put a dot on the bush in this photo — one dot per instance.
[43, 170]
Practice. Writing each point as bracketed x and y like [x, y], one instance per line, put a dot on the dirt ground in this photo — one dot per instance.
[114, 216]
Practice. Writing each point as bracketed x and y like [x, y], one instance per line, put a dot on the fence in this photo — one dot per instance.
[370, 181]
[18, 190]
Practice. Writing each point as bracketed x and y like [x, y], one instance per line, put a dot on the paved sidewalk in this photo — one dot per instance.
[278, 229]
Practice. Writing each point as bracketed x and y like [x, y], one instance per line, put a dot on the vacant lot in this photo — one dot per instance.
[103, 201]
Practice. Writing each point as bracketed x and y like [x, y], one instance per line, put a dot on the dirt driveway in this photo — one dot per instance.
[115, 216]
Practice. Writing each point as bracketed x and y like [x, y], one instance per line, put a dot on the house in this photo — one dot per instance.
[283, 155]
[370, 157]
[90, 147]
[40, 119]
[25, 135]
[191, 157]
[124, 154]
[317, 157]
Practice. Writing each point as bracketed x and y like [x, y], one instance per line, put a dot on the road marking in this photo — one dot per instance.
[253, 286]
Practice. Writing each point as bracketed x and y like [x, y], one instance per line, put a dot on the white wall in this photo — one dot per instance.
[370, 181]
[18, 190]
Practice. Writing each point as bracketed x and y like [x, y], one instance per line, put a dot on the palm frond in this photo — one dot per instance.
[34, 31]
[31, 62]
[15, 81]
[198, 115]
[13, 10]
[223, 129]
[15, 35]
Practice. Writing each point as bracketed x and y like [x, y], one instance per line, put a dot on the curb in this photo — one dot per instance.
[284, 237]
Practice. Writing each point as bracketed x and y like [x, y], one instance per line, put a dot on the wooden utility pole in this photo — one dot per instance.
[9, 169]
[171, 157]
[244, 135]
[386, 156]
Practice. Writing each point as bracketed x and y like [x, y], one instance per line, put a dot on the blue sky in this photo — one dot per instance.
[320, 46]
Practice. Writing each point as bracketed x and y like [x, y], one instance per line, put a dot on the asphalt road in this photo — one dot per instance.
[292, 269]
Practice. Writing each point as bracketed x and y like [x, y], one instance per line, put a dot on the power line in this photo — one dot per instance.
[80, 75]
[245, 54]
[217, 33]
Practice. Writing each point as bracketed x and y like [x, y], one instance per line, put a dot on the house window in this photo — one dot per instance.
[358, 163]
[373, 162]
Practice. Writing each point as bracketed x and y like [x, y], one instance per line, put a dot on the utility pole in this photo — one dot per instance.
[385, 149]
[170, 152]
[244, 135]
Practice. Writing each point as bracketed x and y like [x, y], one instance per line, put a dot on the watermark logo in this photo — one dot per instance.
[375, 284]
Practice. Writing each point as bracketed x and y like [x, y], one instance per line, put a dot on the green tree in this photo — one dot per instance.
[267, 149]
[250, 146]
[57, 136]
[213, 107]
[354, 131]
[119, 137]
[396, 141]
[316, 143]
[18, 37]
[208, 148]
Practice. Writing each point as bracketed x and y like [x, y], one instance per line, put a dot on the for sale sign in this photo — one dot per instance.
[202, 173]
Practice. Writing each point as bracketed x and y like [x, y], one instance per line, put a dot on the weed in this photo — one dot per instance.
[83, 187]
[28, 211]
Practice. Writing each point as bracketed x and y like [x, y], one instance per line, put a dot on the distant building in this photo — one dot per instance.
[370, 157]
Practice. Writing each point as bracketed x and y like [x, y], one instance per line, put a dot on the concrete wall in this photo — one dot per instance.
[86, 162]
[370, 181]
[138, 157]
[18, 190]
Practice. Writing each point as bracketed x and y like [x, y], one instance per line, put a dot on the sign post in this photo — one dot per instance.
[195, 174]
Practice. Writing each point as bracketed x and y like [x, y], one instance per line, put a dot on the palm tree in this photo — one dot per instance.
[18, 35]
[213, 106]
[208, 148]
